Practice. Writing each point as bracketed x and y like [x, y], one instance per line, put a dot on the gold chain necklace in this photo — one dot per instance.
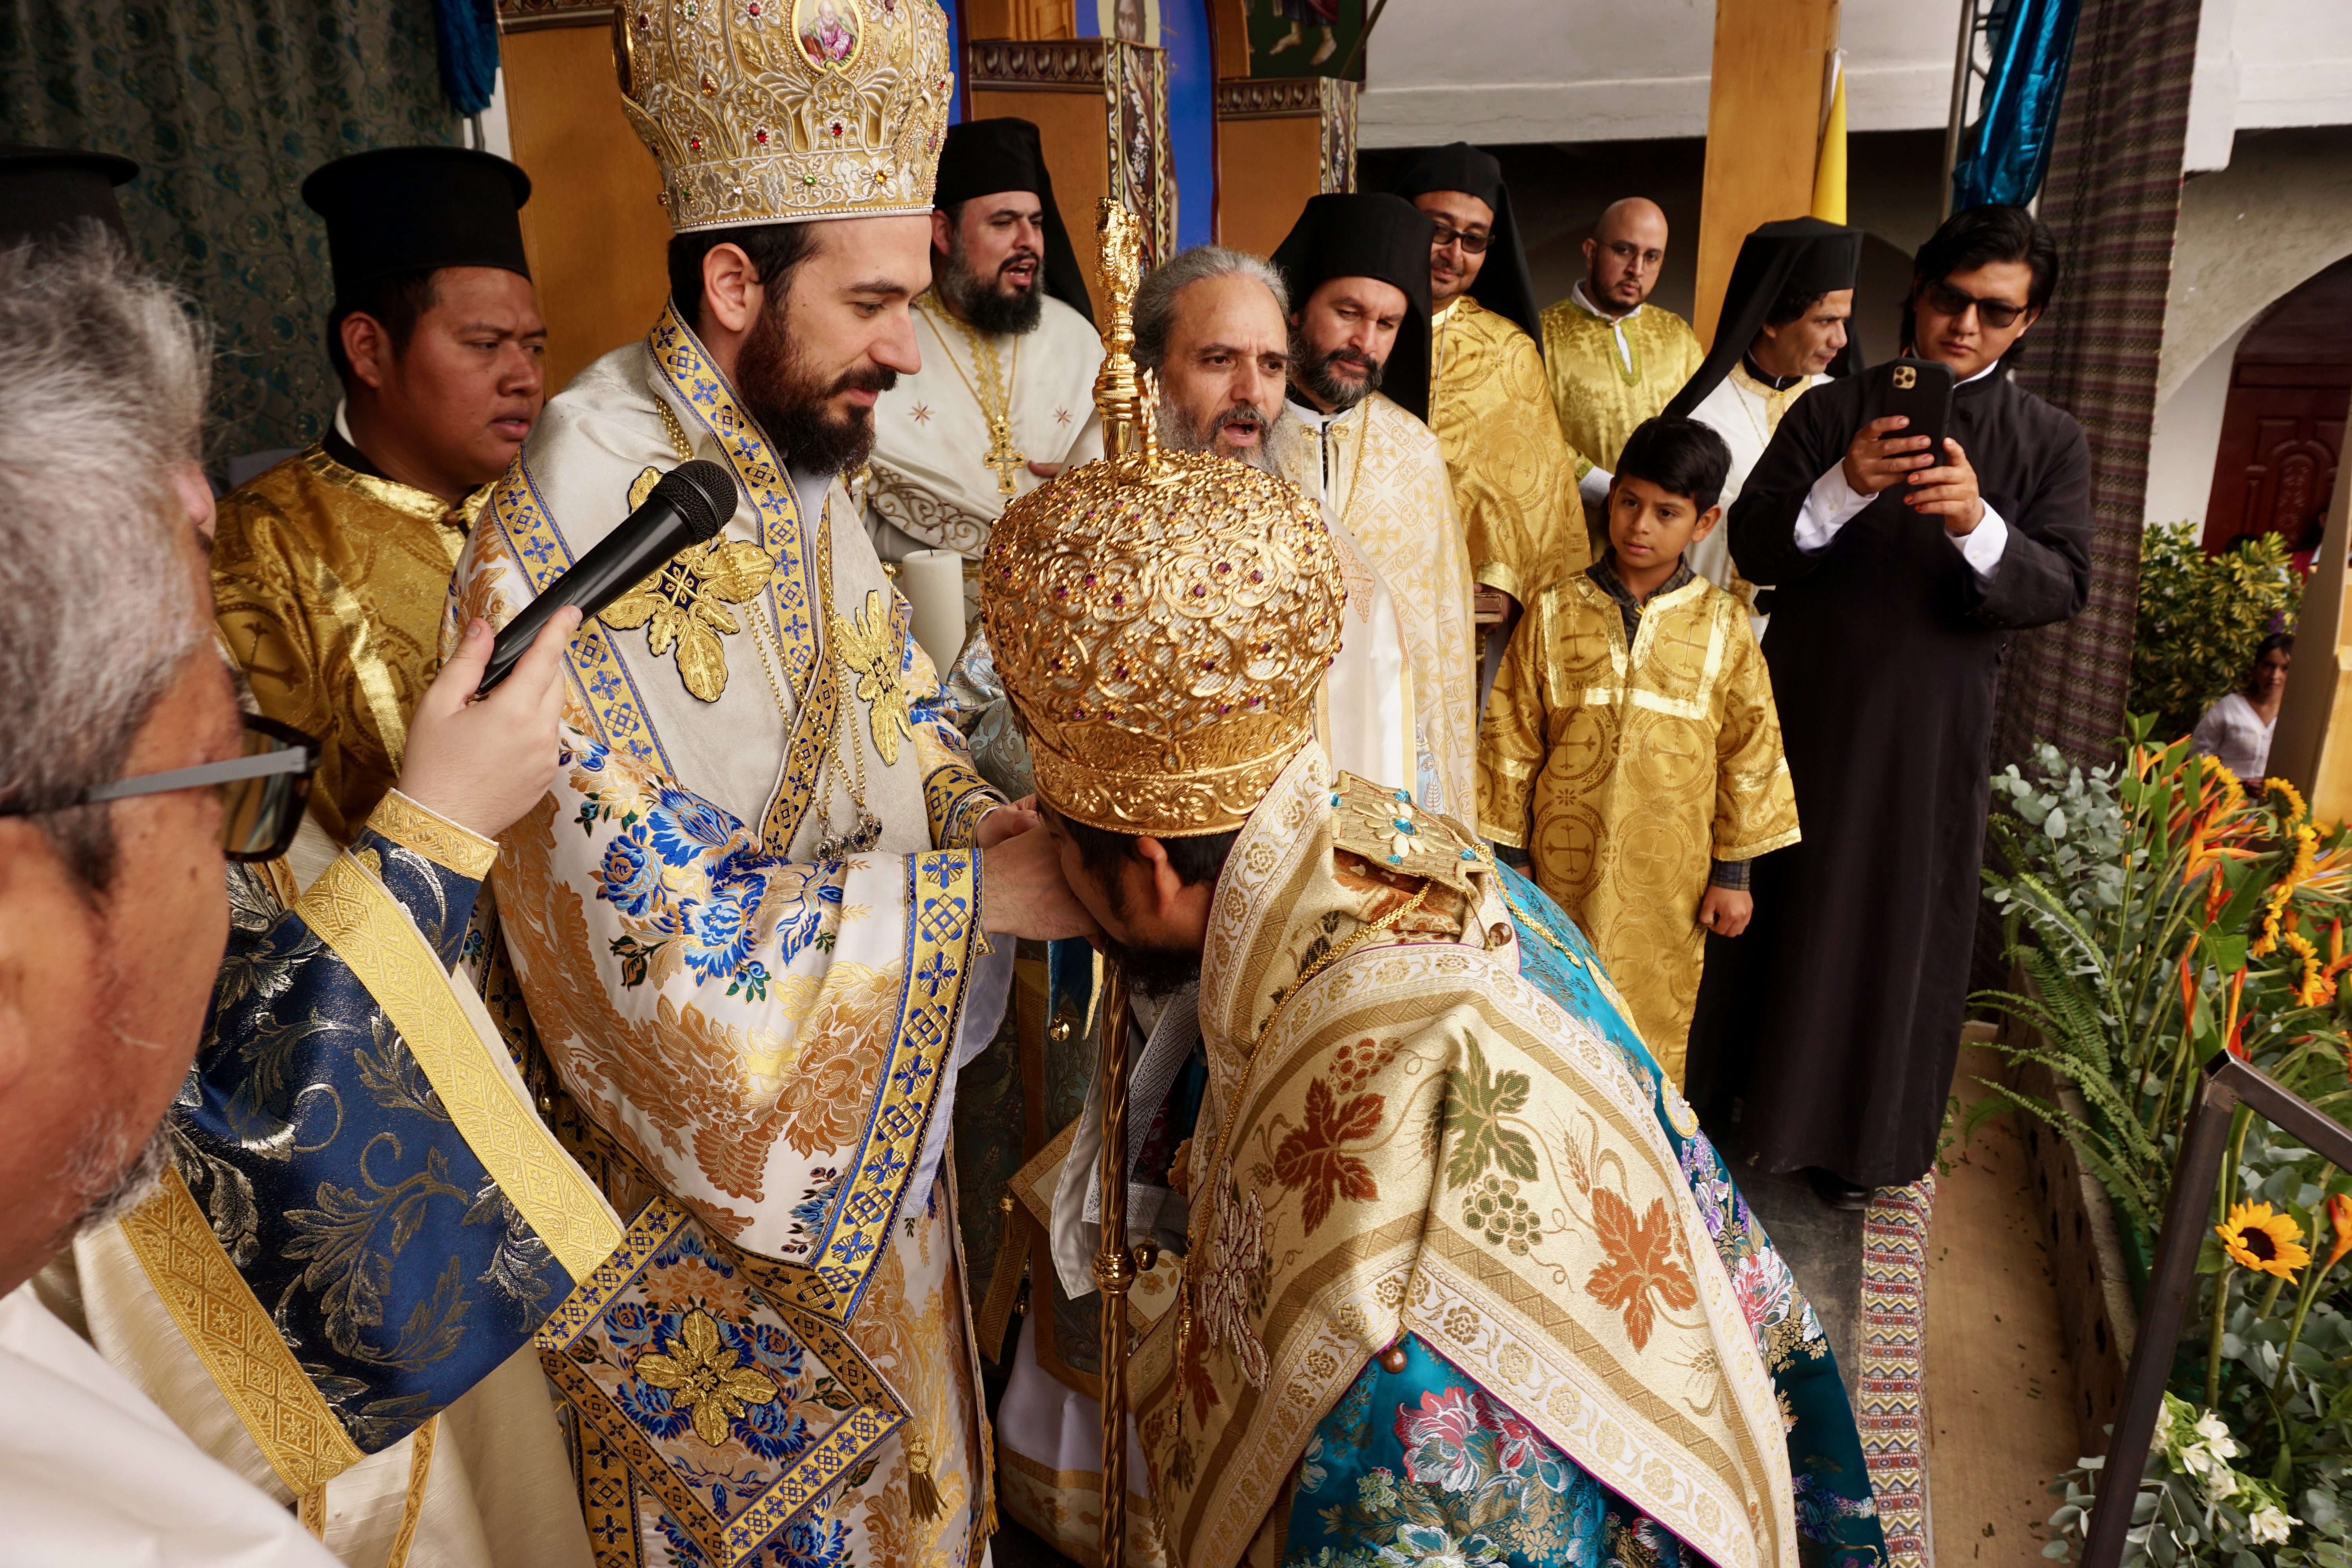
[867, 829]
[993, 391]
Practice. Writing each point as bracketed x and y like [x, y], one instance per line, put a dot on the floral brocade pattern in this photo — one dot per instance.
[1496, 1171]
[1836, 1509]
[1421, 1466]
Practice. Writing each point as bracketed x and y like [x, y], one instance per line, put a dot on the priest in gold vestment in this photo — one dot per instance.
[1613, 358]
[1461, 1280]
[1513, 477]
[330, 571]
[1352, 438]
[768, 912]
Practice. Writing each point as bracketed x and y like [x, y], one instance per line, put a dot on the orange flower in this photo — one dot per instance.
[2339, 1219]
[1641, 1260]
[2259, 1238]
[2232, 1023]
[2188, 988]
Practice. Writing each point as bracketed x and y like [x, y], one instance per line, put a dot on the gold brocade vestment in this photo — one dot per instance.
[329, 585]
[1382, 474]
[1623, 772]
[1373, 1045]
[1513, 477]
[1602, 390]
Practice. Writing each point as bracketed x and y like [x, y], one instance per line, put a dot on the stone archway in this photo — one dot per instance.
[2282, 425]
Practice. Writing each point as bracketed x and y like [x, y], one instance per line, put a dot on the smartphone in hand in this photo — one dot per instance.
[1921, 391]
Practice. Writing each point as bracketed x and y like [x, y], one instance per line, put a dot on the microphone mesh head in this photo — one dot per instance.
[704, 493]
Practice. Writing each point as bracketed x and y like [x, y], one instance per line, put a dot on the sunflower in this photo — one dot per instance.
[2264, 1241]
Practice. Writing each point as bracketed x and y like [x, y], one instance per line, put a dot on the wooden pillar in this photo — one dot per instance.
[2312, 747]
[1763, 129]
[1280, 140]
[593, 228]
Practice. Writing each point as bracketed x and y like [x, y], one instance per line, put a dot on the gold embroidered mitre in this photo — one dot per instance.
[1161, 621]
[784, 111]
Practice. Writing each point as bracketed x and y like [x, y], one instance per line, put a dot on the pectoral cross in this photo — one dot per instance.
[1001, 455]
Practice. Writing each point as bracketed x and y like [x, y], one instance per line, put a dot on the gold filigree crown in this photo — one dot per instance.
[786, 110]
[1161, 621]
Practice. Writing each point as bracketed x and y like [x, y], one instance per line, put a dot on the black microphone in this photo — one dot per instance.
[688, 505]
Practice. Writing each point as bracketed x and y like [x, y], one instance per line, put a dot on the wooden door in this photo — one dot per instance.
[2283, 428]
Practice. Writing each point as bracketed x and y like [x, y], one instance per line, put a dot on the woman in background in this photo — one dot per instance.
[2237, 729]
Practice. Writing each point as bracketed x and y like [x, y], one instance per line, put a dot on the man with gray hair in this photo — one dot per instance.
[1212, 325]
[126, 780]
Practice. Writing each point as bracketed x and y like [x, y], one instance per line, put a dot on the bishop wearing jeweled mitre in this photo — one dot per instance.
[749, 921]
[1462, 1280]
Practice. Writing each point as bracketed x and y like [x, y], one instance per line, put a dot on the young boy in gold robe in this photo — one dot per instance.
[1631, 753]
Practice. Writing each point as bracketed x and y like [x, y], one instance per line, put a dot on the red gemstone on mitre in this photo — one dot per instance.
[836, 128]
[759, 136]
[753, 8]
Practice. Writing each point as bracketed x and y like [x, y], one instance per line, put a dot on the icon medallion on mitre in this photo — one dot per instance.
[786, 111]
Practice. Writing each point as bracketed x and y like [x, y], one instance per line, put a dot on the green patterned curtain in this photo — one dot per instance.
[226, 105]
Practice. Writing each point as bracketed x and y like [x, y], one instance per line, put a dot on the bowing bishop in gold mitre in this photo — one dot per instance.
[1010, 350]
[330, 570]
[1357, 268]
[1613, 358]
[1459, 1278]
[752, 921]
[1513, 477]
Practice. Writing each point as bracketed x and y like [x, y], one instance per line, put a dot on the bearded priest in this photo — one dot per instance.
[1005, 392]
[1460, 1278]
[1356, 267]
[748, 921]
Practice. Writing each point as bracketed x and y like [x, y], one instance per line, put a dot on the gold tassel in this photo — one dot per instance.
[922, 1492]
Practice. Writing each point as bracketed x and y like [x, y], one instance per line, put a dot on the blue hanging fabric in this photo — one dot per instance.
[2004, 154]
[467, 31]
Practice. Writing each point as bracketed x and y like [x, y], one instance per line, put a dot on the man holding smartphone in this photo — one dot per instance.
[1900, 575]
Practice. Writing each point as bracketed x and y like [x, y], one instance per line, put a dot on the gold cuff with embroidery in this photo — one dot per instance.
[434, 837]
[1498, 576]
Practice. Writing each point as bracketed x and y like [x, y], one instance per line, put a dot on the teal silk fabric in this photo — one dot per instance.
[1422, 1465]
[396, 1267]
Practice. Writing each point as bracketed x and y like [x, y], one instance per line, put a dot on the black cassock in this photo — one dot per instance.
[1837, 1015]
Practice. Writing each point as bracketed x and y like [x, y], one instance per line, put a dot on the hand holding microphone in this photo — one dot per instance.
[688, 506]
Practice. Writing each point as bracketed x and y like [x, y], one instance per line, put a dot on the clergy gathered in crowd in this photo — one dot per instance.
[1422, 792]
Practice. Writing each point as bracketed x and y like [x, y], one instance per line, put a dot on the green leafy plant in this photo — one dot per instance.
[2203, 617]
[2161, 911]
[2200, 617]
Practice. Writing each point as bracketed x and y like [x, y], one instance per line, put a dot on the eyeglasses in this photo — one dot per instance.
[1471, 244]
[262, 792]
[1997, 314]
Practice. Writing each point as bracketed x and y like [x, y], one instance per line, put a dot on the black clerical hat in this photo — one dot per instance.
[412, 209]
[1363, 235]
[1503, 286]
[1795, 255]
[985, 157]
[44, 190]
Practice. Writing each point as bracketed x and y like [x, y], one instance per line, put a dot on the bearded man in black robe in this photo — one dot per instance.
[1900, 576]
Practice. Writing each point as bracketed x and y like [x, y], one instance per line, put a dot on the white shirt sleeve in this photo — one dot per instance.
[1829, 506]
[1982, 547]
[1593, 489]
